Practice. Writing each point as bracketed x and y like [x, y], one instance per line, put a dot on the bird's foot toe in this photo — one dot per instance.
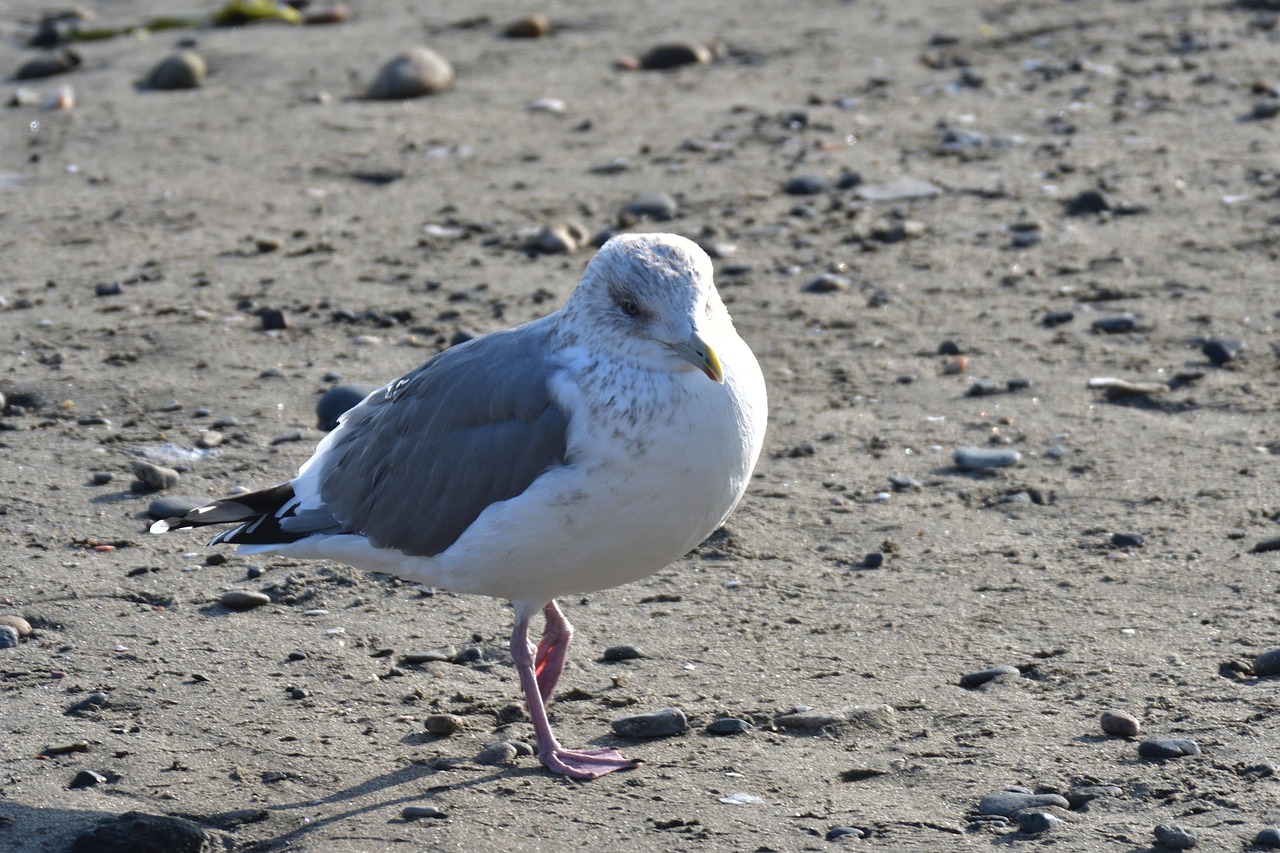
[587, 763]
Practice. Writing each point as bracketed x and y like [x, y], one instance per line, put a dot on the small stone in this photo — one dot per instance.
[243, 599]
[1119, 724]
[468, 654]
[185, 70]
[17, 623]
[101, 478]
[47, 65]
[502, 752]
[108, 288]
[978, 458]
[1115, 324]
[1269, 837]
[1222, 350]
[827, 283]
[337, 401]
[1034, 821]
[1056, 318]
[982, 676]
[668, 721]
[1174, 837]
[1161, 748]
[1127, 540]
[209, 439]
[1008, 803]
[903, 189]
[418, 812]
[560, 239]
[8, 637]
[92, 702]
[87, 779]
[1079, 797]
[443, 725]
[1119, 389]
[726, 726]
[443, 654]
[155, 476]
[272, 319]
[835, 833]
[809, 183]
[983, 388]
[903, 483]
[1265, 545]
[172, 506]
[1089, 202]
[297, 693]
[416, 72]
[865, 717]
[625, 652]
[529, 27]
[1264, 665]
[136, 832]
[656, 205]
[1265, 109]
[873, 560]
[674, 55]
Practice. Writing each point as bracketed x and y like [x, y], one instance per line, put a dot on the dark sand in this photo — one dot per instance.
[170, 194]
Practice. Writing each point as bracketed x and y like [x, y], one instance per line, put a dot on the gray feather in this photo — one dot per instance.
[413, 467]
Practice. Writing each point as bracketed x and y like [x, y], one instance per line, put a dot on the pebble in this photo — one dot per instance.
[209, 439]
[89, 703]
[8, 637]
[868, 717]
[827, 283]
[87, 779]
[298, 693]
[469, 654]
[872, 560]
[1265, 109]
[1265, 664]
[47, 65]
[903, 189]
[1265, 545]
[243, 599]
[417, 812]
[1222, 350]
[983, 388]
[339, 399]
[1056, 318]
[810, 183]
[1119, 724]
[656, 205]
[1269, 837]
[272, 319]
[903, 483]
[979, 458]
[1033, 821]
[1081, 796]
[529, 27]
[674, 55]
[1174, 837]
[1118, 389]
[1127, 540]
[133, 832]
[172, 506]
[668, 721]
[728, 726]
[443, 725]
[440, 655]
[1089, 202]
[1168, 748]
[155, 476]
[415, 72]
[502, 752]
[101, 478]
[108, 288]
[1115, 323]
[185, 70]
[17, 623]
[563, 238]
[1008, 803]
[982, 676]
[66, 748]
[625, 652]
[835, 833]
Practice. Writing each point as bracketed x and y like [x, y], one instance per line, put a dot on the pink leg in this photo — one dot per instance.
[553, 649]
[576, 764]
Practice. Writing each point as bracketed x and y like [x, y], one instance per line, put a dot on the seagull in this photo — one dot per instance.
[581, 451]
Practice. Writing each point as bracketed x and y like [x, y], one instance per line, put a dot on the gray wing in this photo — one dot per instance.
[414, 466]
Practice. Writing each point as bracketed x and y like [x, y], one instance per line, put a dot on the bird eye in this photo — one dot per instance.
[630, 308]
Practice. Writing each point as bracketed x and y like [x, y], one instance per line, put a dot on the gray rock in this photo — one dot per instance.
[728, 726]
[1222, 350]
[89, 703]
[243, 599]
[1168, 748]
[1115, 323]
[337, 401]
[1010, 802]
[809, 183]
[1081, 796]
[502, 752]
[173, 506]
[47, 65]
[416, 72]
[982, 676]
[835, 833]
[87, 779]
[1089, 202]
[1119, 724]
[902, 189]
[982, 458]
[1034, 821]
[8, 637]
[443, 725]
[1269, 837]
[624, 652]
[155, 476]
[656, 205]
[185, 70]
[17, 623]
[1267, 663]
[868, 717]
[1174, 837]
[136, 832]
[674, 55]
[668, 721]
[827, 283]
[1127, 540]
[440, 655]
[418, 812]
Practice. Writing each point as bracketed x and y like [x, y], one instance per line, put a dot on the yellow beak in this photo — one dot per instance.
[699, 353]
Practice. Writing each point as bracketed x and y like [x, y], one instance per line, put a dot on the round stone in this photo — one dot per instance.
[656, 205]
[728, 726]
[1174, 837]
[1267, 663]
[668, 721]
[243, 599]
[443, 725]
[8, 637]
[1119, 724]
[155, 476]
[626, 652]
[17, 623]
[1168, 748]
[337, 401]
[982, 676]
[185, 70]
[674, 55]
[416, 72]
